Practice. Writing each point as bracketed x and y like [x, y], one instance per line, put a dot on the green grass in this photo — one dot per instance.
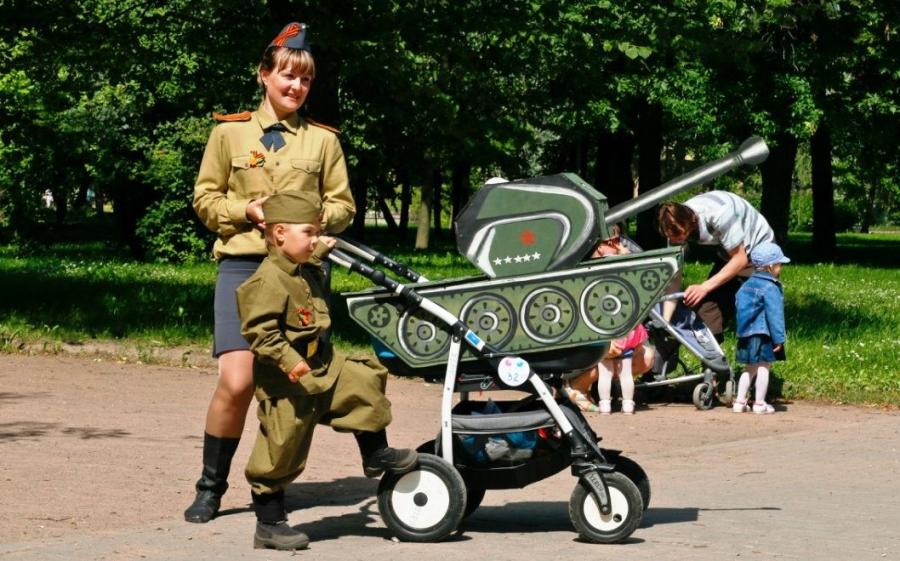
[843, 318]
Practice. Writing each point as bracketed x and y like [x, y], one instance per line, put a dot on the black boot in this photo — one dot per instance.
[272, 529]
[217, 455]
[378, 457]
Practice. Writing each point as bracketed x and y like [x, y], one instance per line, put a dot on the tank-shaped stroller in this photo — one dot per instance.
[539, 312]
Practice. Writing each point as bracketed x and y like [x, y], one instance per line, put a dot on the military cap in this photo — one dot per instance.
[293, 207]
[293, 36]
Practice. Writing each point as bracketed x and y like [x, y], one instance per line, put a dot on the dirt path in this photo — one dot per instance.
[98, 459]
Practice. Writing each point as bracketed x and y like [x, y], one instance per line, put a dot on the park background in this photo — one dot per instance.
[105, 108]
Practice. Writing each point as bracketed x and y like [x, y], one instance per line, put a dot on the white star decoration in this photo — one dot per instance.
[509, 259]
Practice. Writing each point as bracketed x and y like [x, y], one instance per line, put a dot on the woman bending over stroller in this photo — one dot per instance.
[627, 357]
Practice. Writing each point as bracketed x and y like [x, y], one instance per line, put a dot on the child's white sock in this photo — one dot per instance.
[743, 387]
[626, 381]
[762, 382]
[604, 380]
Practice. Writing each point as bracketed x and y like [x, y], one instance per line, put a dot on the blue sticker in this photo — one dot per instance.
[472, 338]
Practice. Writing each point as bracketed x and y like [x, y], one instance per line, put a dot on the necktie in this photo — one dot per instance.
[272, 138]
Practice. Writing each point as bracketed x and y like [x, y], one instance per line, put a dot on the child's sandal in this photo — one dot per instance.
[581, 400]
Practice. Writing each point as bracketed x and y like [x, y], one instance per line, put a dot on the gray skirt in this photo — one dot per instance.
[233, 271]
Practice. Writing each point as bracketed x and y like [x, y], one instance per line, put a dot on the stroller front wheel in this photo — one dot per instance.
[704, 395]
[423, 505]
[621, 522]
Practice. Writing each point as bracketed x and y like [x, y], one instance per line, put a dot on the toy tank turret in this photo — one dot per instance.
[540, 291]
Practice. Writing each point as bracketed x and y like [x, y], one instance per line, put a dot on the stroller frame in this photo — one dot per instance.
[714, 364]
[606, 506]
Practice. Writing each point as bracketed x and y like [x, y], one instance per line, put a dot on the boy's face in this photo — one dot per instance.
[298, 241]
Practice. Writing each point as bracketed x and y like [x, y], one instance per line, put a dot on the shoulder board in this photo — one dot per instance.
[245, 116]
[322, 126]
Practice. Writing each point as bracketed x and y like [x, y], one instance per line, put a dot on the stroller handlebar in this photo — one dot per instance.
[374, 256]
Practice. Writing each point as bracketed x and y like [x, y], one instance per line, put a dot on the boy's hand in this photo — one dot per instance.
[328, 241]
[298, 371]
[777, 348]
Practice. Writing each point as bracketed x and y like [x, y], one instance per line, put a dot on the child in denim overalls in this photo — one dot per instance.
[760, 326]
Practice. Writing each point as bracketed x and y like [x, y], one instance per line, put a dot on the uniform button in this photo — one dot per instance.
[277, 163]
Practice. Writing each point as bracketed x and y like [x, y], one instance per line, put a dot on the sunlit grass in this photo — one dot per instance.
[843, 319]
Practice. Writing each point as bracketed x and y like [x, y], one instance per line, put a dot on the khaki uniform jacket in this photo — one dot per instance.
[283, 313]
[237, 168]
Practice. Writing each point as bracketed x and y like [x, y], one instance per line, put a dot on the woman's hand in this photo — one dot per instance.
[777, 348]
[298, 371]
[255, 214]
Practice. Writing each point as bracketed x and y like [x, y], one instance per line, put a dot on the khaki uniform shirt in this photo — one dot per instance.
[237, 168]
[283, 313]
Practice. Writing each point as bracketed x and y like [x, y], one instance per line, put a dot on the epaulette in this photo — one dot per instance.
[245, 116]
[321, 126]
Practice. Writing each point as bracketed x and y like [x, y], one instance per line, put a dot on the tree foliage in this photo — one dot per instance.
[112, 99]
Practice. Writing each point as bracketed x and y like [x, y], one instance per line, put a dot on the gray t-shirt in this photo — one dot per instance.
[728, 221]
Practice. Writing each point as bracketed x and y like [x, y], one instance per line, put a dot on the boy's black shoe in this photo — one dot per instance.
[278, 535]
[394, 460]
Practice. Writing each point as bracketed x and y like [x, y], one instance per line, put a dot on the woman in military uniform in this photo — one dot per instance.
[248, 157]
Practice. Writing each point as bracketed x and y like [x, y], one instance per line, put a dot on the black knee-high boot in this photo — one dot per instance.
[217, 455]
[378, 457]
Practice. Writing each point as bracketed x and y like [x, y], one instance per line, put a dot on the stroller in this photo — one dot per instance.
[540, 313]
[686, 329]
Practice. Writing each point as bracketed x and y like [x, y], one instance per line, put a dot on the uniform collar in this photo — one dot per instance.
[283, 262]
[266, 120]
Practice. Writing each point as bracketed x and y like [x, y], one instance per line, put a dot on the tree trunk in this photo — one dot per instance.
[423, 222]
[359, 188]
[777, 178]
[871, 215]
[612, 172]
[405, 201]
[388, 215]
[437, 183]
[650, 145]
[824, 239]
[459, 190]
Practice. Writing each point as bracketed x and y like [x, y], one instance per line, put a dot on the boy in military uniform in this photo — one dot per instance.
[300, 381]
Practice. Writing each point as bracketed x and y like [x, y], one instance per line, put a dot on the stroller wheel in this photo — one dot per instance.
[620, 523]
[474, 496]
[703, 396]
[633, 471]
[424, 505]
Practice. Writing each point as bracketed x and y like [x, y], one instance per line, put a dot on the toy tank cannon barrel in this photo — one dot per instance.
[753, 151]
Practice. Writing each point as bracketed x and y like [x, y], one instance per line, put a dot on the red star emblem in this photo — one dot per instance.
[527, 237]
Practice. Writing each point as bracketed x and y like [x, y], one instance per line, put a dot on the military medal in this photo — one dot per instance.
[257, 159]
[305, 315]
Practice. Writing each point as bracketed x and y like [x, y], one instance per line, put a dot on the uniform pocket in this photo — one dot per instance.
[308, 166]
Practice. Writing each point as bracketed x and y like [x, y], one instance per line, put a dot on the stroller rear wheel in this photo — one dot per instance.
[633, 471]
[621, 522]
[424, 505]
[474, 496]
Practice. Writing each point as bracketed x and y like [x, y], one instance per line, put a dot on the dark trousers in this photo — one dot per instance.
[717, 309]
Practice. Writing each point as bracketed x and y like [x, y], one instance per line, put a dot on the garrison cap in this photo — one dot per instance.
[293, 207]
[293, 36]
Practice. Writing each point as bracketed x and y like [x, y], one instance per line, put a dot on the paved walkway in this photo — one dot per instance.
[97, 461]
